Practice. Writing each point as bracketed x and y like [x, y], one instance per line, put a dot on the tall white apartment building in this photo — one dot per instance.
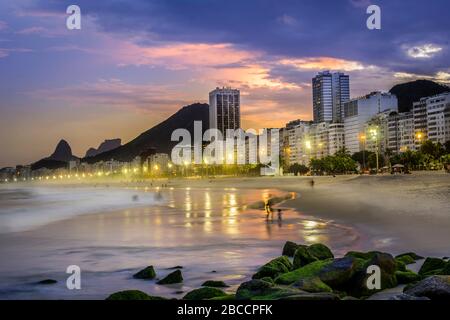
[438, 112]
[336, 138]
[224, 109]
[359, 111]
[401, 132]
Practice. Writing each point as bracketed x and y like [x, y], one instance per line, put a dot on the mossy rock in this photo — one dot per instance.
[47, 281]
[289, 248]
[132, 295]
[313, 285]
[173, 277]
[362, 255]
[302, 257]
[268, 279]
[146, 273]
[400, 265]
[412, 255]
[405, 277]
[339, 272]
[446, 269]
[317, 296]
[434, 288]
[310, 270]
[320, 251]
[204, 293]
[225, 297]
[252, 288]
[406, 259]
[214, 284]
[432, 266]
[274, 268]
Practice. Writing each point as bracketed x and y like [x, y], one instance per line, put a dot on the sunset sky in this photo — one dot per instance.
[136, 62]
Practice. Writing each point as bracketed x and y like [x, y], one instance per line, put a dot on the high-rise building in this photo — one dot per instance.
[330, 91]
[400, 132]
[360, 110]
[224, 109]
[438, 118]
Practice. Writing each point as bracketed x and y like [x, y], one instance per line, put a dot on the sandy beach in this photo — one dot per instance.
[207, 226]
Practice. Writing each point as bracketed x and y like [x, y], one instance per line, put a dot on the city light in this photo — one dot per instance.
[308, 144]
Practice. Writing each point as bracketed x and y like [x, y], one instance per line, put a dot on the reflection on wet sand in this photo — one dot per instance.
[200, 229]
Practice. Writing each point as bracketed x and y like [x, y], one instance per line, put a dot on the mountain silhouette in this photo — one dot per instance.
[158, 138]
[59, 158]
[410, 92]
[105, 146]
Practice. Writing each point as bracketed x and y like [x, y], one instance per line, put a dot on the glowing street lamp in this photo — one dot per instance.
[363, 140]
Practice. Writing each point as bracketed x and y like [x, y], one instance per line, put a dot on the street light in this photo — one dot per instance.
[363, 139]
[374, 134]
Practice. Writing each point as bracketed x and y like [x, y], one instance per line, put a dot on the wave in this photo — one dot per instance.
[23, 209]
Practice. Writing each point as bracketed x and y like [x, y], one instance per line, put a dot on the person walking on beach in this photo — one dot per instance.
[312, 183]
[269, 210]
[280, 213]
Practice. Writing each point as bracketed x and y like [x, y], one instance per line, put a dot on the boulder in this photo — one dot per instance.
[406, 259]
[302, 257]
[357, 285]
[434, 288]
[362, 255]
[308, 271]
[261, 290]
[432, 266]
[313, 285]
[405, 277]
[412, 255]
[225, 297]
[146, 273]
[204, 293]
[320, 251]
[289, 248]
[214, 284]
[47, 281]
[173, 277]
[274, 268]
[132, 295]
[338, 272]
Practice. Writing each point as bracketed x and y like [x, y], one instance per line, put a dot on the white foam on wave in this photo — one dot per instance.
[38, 206]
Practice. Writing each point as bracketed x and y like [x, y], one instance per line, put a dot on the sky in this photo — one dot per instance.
[136, 62]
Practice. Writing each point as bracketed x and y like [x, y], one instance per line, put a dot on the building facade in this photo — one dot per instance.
[357, 112]
[224, 109]
[330, 92]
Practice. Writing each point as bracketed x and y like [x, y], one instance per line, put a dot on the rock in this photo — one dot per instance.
[312, 296]
[400, 265]
[338, 272]
[434, 287]
[349, 298]
[446, 269]
[215, 284]
[432, 266]
[261, 290]
[268, 279]
[132, 295]
[313, 285]
[253, 288]
[412, 255]
[362, 255]
[406, 259]
[308, 271]
[176, 267]
[274, 268]
[225, 297]
[357, 285]
[320, 251]
[289, 248]
[47, 281]
[405, 277]
[173, 277]
[302, 257]
[204, 293]
[404, 296]
[146, 273]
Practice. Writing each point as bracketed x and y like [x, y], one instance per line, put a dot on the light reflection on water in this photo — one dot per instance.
[202, 230]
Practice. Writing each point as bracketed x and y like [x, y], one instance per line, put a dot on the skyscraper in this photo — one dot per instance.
[330, 91]
[224, 109]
